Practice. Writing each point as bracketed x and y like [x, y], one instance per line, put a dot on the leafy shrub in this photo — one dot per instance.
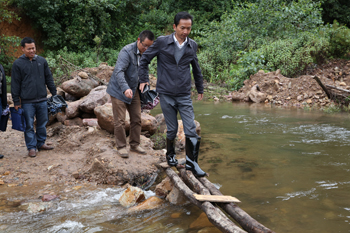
[339, 39]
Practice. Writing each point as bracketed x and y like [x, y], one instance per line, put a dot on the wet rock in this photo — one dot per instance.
[37, 207]
[97, 96]
[175, 215]
[79, 87]
[175, 197]
[164, 187]
[201, 222]
[238, 96]
[90, 122]
[149, 204]
[131, 196]
[256, 95]
[48, 197]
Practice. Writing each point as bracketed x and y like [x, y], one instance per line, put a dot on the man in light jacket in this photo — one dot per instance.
[175, 53]
[123, 88]
[30, 76]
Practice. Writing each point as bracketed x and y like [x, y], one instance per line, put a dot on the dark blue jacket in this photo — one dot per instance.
[125, 74]
[172, 78]
[29, 80]
[3, 90]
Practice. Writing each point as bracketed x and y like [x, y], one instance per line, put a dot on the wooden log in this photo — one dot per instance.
[216, 198]
[337, 88]
[240, 216]
[215, 216]
[322, 86]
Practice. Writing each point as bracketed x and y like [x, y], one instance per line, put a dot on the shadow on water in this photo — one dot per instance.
[290, 169]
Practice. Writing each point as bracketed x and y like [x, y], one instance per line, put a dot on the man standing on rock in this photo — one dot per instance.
[30, 76]
[123, 88]
[175, 53]
[3, 92]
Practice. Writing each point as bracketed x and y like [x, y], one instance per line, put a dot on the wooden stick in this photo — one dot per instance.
[323, 87]
[240, 216]
[337, 88]
[215, 216]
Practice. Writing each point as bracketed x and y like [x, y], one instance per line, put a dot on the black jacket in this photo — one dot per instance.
[3, 90]
[29, 80]
[172, 78]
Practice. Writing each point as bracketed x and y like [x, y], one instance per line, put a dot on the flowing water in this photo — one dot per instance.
[289, 167]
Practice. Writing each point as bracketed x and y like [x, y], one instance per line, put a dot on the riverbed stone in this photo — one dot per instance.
[209, 230]
[256, 95]
[48, 197]
[164, 188]
[37, 207]
[175, 197]
[149, 204]
[201, 222]
[131, 196]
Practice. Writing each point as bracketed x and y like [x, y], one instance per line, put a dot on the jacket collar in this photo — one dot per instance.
[25, 57]
[171, 39]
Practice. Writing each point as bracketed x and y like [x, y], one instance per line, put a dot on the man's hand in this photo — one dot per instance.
[17, 107]
[200, 97]
[128, 93]
[142, 86]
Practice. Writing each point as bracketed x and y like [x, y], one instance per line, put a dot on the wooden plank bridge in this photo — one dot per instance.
[202, 193]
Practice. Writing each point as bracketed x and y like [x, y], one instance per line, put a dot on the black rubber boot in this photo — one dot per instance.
[1, 156]
[192, 150]
[170, 153]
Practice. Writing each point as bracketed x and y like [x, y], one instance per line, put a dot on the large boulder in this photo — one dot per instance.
[164, 187]
[104, 114]
[79, 87]
[176, 197]
[256, 95]
[97, 96]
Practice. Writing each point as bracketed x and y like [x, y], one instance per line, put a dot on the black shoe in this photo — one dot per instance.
[1, 156]
[192, 150]
[170, 153]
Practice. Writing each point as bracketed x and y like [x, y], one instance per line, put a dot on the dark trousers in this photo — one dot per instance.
[119, 114]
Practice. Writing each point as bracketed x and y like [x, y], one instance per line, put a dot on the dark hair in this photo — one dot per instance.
[27, 40]
[182, 15]
[146, 34]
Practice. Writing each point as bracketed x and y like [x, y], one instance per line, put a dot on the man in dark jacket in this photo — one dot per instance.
[30, 76]
[3, 92]
[175, 53]
[125, 96]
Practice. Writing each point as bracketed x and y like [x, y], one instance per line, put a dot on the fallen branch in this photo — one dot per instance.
[322, 86]
[215, 216]
[337, 88]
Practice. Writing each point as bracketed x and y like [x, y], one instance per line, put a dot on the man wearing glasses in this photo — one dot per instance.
[123, 88]
[175, 53]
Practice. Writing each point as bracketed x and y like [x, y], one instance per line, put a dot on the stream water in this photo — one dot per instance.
[289, 168]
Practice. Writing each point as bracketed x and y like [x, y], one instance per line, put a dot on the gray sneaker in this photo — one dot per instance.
[137, 149]
[123, 153]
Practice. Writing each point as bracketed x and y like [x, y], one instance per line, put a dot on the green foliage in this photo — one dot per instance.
[7, 43]
[63, 61]
[339, 37]
[332, 108]
[336, 10]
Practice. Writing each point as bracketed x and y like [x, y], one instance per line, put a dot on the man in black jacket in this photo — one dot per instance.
[30, 76]
[175, 53]
[3, 92]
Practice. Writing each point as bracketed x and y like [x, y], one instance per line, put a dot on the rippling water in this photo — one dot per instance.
[289, 167]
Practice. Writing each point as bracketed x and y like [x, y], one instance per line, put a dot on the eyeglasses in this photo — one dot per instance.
[145, 46]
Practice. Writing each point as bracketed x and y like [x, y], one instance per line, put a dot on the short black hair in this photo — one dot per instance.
[182, 15]
[27, 40]
[146, 34]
